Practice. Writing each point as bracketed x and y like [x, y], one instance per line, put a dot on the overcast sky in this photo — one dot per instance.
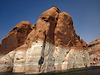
[85, 14]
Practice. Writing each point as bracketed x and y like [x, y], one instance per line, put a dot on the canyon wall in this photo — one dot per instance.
[94, 52]
[52, 45]
[16, 37]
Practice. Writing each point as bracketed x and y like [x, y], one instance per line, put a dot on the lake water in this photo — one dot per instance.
[83, 71]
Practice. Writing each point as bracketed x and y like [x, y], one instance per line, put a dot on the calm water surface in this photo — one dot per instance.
[83, 71]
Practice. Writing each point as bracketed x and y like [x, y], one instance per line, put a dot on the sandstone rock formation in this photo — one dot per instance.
[94, 52]
[52, 45]
[16, 37]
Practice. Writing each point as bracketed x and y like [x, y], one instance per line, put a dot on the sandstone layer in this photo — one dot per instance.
[52, 45]
[94, 52]
[16, 37]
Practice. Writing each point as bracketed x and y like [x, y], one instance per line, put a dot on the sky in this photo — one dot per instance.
[85, 15]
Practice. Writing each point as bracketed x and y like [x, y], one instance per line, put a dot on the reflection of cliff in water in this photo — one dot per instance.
[95, 70]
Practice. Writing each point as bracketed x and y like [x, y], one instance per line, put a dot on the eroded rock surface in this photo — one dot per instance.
[65, 33]
[52, 45]
[16, 37]
[94, 52]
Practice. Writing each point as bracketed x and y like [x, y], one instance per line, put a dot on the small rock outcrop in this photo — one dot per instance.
[94, 52]
[52, 45]
[16, 37]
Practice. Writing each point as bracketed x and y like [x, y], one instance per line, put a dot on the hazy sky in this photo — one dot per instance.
[85, 14]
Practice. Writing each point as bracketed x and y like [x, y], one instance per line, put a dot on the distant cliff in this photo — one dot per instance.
[94, 52]
[50, 45]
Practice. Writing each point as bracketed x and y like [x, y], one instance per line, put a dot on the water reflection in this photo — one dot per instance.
[83, 71]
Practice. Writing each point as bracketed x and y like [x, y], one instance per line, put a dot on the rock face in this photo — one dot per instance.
[52, 45]
[94, 52]
[16, 37]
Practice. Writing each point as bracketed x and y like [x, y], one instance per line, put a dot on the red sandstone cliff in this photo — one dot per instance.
[94, 52]
[52, 45]
[57, 28]
[16, 37]
[55, 25]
